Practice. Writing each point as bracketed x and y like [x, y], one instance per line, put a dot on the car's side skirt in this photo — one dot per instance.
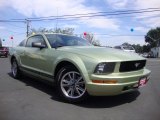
[38, 74]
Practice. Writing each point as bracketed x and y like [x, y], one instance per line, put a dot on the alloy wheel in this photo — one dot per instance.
[73, 84]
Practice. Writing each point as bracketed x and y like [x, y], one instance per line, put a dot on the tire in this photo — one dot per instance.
[71, 85]
[15, 69]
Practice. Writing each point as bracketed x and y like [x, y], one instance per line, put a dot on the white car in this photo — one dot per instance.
[126, 48]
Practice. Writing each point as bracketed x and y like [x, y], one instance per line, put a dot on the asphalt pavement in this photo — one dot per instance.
[29, 99]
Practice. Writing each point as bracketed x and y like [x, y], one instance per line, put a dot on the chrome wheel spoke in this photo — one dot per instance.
[80, 89]
[80, 83]
[79, 79]
[69, 90]
[66, 83]
[72, 92]
[70, 76]
[77, 91]
[73, 75]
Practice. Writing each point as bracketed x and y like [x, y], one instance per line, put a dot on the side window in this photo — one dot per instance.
[37, 38]
[22, 43]
[29, 42]
[40, 39]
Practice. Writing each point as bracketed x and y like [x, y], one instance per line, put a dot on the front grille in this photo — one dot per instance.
[128, 66]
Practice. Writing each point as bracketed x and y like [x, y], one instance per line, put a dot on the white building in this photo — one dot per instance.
[156, 51]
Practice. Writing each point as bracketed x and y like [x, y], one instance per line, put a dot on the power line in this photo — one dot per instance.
[87, 15]
[12, 21]
[96, 14]
[124, 11]
[120, 11]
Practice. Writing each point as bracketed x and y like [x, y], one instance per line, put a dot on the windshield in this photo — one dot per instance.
[64, 40]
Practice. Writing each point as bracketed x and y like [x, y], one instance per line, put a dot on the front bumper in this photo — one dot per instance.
[126, 83]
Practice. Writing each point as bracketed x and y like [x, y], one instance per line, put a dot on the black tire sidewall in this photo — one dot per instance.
[18, 71]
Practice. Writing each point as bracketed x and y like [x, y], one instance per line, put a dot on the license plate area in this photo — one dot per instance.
[142, 82]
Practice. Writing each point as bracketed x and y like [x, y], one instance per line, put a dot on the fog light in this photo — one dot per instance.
[105, 81]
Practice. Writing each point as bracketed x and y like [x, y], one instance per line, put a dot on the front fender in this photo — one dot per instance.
[76, 61]
[13, 53]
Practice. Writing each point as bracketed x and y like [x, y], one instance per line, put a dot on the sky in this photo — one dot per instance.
[109, 30]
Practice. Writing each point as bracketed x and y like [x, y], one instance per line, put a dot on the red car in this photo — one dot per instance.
[4, 51]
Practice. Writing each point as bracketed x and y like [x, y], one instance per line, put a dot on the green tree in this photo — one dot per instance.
[146, 48]
[126, 44]
[69, 31]
[91, 38]
[138, 48]
[153, 37]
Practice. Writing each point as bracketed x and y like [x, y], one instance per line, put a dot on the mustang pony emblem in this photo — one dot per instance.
[137, 64]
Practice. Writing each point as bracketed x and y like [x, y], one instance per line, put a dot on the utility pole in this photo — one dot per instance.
[0, 43]
[28, 26]
[57, 21]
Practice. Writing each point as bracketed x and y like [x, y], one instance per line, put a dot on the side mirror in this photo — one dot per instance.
[38, 45]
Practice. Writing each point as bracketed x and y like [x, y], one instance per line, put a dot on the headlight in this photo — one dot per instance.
[105, 67]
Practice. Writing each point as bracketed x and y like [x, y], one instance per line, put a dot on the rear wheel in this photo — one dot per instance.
[71, 84]
[15, 69]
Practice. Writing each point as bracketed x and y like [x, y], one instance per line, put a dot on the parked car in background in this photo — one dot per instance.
[148, 55]
[77, 68]
[4, 51]
[125, 48]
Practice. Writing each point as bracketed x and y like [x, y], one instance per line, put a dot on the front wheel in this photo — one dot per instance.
[71, 84]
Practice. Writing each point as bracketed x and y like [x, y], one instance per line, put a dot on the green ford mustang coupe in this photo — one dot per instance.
[77, 68]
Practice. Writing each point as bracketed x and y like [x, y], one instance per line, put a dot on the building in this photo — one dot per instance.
[156, 52]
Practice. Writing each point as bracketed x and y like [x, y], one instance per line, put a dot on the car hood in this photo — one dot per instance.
[102, 53]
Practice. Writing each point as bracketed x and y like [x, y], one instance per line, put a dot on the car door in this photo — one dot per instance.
[23, 57]
[37, 59]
